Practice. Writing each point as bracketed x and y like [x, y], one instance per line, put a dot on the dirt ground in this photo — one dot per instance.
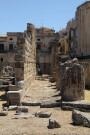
[40, 91]
[87, 95]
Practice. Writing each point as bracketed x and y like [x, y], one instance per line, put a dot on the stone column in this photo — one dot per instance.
[73, 83]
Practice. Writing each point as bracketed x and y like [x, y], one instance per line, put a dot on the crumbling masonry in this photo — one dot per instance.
[72, 81]
[25, 66]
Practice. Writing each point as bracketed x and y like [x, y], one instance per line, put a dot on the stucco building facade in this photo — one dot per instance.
[43, 37]
[79, 32]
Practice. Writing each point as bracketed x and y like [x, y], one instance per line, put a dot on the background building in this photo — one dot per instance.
[43, 37]
[8, 49]
[79, 32]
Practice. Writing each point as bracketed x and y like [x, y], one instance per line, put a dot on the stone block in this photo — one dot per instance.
[29, 103]
[50, 104]
[14, 97]
[84, 105]
[13, 88]
[19, 57]
[14, 94]
[5, 109]
[19, 64]
[67, 108]
[19, 71]
[53, 123]
[3, 113]
[80, 118]
[43, 114]
[12, 108]
[21, 84]
[22, 109]
[22, 116]
[19, 77]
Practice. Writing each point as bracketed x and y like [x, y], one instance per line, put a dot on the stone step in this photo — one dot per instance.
[79, 105]
[50, 104]
[29, 103]
[69, 108]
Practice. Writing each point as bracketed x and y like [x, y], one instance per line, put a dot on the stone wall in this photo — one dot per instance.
[25, 66]
[30, 59]
[7, 59]
[86, 64]
[53, 45]
[64, 49]
[83, 29]
[45, 68]
[44, 62]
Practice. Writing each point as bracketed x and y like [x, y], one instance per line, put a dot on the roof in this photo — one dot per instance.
[3, 35]
[45, 28]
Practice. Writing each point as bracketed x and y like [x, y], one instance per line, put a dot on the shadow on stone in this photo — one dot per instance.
[3, 97]
[56, 95]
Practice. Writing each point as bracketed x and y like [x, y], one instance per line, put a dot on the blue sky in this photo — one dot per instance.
[15, 14]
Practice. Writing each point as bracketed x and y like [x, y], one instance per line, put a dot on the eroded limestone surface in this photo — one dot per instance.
[80, 118]
[72, 81]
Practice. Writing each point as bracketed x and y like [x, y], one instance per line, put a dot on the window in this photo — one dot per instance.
[72, 34]
[1, 59]
[15, 46]
[1, 48]
[11, 38]
[10, 47]
[38, 48]
[38, 39]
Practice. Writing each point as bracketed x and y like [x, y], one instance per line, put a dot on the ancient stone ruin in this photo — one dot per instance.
[72, 81]
[25, 60]
[25, 66]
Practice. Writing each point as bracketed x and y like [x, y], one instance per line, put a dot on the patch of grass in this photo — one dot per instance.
[87, 95]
